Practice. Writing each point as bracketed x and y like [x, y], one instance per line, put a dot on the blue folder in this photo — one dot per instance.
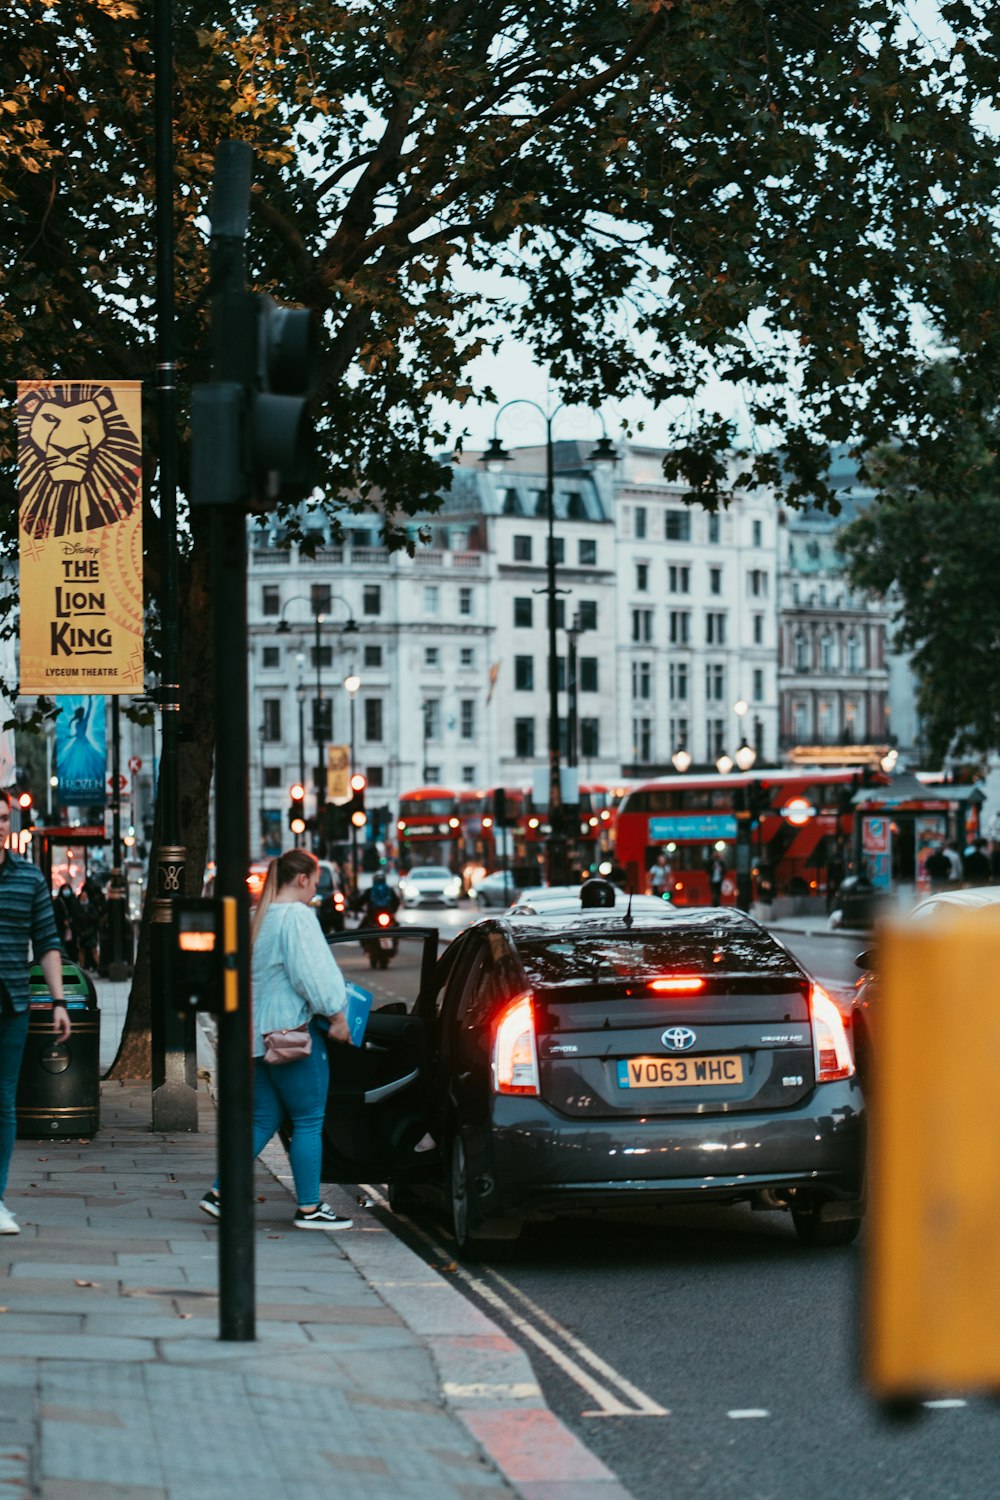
[359, 1004]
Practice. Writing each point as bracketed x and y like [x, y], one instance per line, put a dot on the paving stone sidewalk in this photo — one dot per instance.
[370, 1380]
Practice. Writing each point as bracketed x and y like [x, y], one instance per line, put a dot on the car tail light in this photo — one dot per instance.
[383, 919]
[515, 1059]
[682, 984]
[831, 1048]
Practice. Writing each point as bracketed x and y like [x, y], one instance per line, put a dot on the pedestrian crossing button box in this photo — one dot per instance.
[198, 954]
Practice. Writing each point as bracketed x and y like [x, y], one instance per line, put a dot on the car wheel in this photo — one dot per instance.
[475, 1238]
[822, 1234]
[402, 1199]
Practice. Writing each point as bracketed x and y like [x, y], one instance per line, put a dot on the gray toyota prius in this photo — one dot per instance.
[603, 1060]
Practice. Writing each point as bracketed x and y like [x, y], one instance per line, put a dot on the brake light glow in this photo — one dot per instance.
[383, 919]
[515, 1057]
[831, 1049]
[682, 985]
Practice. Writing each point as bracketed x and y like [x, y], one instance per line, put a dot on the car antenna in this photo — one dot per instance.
[628, 918]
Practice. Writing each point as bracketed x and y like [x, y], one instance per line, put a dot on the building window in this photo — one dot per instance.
[800, 721]
[271, 726]
[715, 681]
[561, 614]
[588, 674]
[467, 719]
[522, 549]
[559, 549]
[465, 601]
[270, 599]
[642, 625]
[715, 580]
[432, 657]
[641, 577]
[510, 505]
[715, 737]
[642, 740]
[432, 598]
[679, 733]
[321, 658]
[469, 776]
[467, 657]
[758, 630]
[321, 598]
[270, 658]
[678, 679]
[827, 652]
[758, 685]
[714, 529]
[715, 628]
[757, 583]
[524, 673]
[680, 627]
[373, 721]
[590, 738]
[371, 599]
[524, 738]
[575, 508]
[522, 613]
[375, 776]
[801, 647]
[587, 552]
[758, 534]
[588, 614]
[272, 776]
[679, 579]
[642, 679]
[678, 526]
[373, 657]
[432, 719]
[432, 774]
[640, 522]
[853, 652]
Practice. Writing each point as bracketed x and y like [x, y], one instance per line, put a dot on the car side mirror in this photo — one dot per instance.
[865, 960]
[394, 1008]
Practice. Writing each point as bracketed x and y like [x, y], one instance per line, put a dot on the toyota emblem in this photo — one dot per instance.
[679, 1038]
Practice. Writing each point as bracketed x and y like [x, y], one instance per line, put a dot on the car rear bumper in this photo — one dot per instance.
[534, 1162]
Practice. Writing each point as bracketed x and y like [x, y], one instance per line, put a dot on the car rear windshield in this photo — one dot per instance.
[639, 957]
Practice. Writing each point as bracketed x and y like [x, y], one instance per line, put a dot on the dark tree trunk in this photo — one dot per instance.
[134, 1057]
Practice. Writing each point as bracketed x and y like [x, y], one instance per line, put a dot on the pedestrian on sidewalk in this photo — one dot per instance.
[26, 915]
[294, 982]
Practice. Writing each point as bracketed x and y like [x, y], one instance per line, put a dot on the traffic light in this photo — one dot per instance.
[252, 434]
[296, 808]
[500, 807]
[26, 803]
[356, 805]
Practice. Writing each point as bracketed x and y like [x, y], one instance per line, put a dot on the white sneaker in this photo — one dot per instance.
[8, 1224]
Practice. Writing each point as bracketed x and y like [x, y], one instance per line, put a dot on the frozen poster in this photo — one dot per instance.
[81, 748]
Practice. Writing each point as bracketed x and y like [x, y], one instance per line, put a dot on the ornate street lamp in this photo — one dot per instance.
[319, 715]
[496, 454]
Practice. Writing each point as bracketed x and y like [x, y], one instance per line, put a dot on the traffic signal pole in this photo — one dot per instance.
[251, 449]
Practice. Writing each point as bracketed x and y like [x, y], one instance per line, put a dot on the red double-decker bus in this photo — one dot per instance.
[800, 824]
[428, 828]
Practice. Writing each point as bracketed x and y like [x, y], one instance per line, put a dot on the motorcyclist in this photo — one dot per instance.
[380, 897]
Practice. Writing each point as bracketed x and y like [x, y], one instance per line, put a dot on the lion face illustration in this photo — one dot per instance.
[80, 461]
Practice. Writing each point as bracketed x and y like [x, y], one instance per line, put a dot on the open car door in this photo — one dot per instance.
[377, 1108]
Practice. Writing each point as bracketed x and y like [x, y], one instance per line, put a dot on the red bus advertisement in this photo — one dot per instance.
[799, 824]
[427, 828]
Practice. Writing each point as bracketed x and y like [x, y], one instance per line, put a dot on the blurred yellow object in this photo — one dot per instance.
[932, 1271]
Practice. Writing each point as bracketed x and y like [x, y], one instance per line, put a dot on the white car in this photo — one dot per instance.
[430, 885]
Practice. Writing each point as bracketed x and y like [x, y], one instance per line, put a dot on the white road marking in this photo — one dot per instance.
[609, 1402]
[742, 1414]
[945, 1404]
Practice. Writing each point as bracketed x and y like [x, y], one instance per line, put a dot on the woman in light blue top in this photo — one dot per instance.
[294, 981]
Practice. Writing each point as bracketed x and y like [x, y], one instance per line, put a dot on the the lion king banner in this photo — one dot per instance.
[79, 451]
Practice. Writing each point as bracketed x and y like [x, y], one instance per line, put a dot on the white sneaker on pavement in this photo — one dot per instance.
[8, 1224]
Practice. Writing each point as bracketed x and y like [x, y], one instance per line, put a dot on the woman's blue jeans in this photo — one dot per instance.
[13, 1035]
[298, 1089]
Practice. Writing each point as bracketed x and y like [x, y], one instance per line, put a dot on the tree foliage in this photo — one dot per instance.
[932, 544]
[656, 196]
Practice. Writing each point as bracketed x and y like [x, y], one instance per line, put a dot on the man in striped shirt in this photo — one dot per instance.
[25, 914]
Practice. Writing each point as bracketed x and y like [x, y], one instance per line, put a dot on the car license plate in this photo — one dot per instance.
[678, 1072]
[385, 943]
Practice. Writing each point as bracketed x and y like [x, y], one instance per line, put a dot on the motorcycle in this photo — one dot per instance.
[383, 947]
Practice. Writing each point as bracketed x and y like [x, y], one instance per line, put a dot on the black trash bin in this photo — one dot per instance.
[59, 1090]
[859, 902]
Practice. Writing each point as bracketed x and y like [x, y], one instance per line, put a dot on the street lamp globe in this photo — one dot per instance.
[745, 756]
[352, 683]
[681, 760]
[723, 764]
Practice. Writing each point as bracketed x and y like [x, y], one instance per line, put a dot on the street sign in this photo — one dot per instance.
[121, 783]
[135, 763]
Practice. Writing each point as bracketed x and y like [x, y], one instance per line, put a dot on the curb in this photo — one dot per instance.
[486, 1379]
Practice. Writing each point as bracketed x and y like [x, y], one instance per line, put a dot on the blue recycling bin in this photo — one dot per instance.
[59, 1090]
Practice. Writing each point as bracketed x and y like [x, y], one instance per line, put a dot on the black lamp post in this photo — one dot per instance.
[603, 453]
[351, 686]
[319, 716]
